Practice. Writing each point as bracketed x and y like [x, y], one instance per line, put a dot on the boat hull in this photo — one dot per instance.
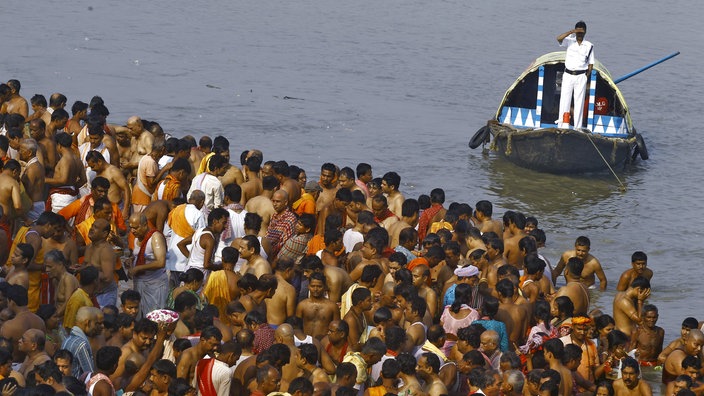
[557, 150]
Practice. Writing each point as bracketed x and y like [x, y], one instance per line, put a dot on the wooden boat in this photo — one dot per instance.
[526, 131]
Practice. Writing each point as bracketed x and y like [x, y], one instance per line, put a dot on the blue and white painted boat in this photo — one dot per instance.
[525, 128]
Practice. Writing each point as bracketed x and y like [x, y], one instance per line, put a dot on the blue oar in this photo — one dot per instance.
[644, 68]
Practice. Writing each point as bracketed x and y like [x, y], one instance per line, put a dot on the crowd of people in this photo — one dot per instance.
[141, 263]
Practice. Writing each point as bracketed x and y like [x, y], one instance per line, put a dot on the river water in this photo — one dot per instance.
[403, 85]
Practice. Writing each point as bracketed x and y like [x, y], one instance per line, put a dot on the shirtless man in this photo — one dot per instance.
[307, 361]
[338, 206]
[10, 197]
[389, 185]
[336, 341]
[515, 316]
[57, 124]
[291, 186]
[337, 279]
[143, 136]
[33, 177]
[428, 369]
[328, 171]
[261, 204]
[355, 317]
[15, 103]
[65, 283]
[673, 364]
[256, 264]
[283, 303]
[46, 145]
[554, 349]
[23, 320]
[639, 263]
[210, 339]
[157, 213]
[409, 219]
[17, 274]
[628, 305]
[420, 274]
[120, 192]
[79, 112]
[592, 266]
[253, 186]
[382, 214]
[69, 174]
[630, 383]
[515, 226]
[647, 339]
[127, 150]
[142, 337]
[100, 254]
[575, 289]
[317, 311]
[39, 105]
[256, 300]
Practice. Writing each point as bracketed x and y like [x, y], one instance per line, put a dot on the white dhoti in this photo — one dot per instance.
[61, 197]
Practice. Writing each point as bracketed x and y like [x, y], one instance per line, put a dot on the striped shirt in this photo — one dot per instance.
[77, 343]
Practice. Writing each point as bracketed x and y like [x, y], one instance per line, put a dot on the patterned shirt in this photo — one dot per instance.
[263, 339]
[281, 228]
[295, 247]
[77, 343]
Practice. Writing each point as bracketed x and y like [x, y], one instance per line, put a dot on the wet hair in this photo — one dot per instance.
[308, 221]
[254, 163]
[49, 369]
[565, 306]
[394, 337]
[179, 386]
[217, 161]
[88, 275]
[538, 235]
[363, 169]
[202, 319]
[616, 337]
[347, 369]
[184, 301]
[370, 273]
[418, 305]
[107, 357]
[165, 366]
[46, 311]
[64, 354]
[505, 288]
[267, 282]
[528, 244]
[398, 257]
[217, 214]
[640, 282]
[26, 251]
[555, 346]
[407, 362]
[601, 321]
[490, 306]
[38, 100]
[145, 326]
[59, 114]
[300, 384]
[332, 236]
[575, 265]
[582, 241]
[690, 323]
[392, 179]
[381, 315]
[581, 24]
[403, 276]
[78, 106]
[632, 363]
[130, 295]
[405, 290]
[212, 332]
[270, 183]
[433, 361]
[360, 294]
[252, 221]
[191, 275]
[230, 255]
[552, 387]
[639, 256]
[474, 357]
[406, 235]
[181, 344]
[541, 311]
[123, 320]
[463, 295]
[572, 352]
[309, 353]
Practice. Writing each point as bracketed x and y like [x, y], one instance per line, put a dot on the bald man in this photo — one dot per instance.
[282, 225]
[149, 270]
[32, 344]
[673, 364]
[284, 335]
[89, 323]
[101, 254]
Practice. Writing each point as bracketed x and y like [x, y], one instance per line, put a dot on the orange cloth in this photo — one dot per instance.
[148, 167]
[35, 277]
[305, 204]
[315, 244]
[217, 292]
[74, 208]
[416, 262]
[178, 223]
[438, 225]
[171, 189]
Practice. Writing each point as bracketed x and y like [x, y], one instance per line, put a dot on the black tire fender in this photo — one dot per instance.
[642, 150]
[480, 137]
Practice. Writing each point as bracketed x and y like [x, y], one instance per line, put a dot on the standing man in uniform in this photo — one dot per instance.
[579, 59]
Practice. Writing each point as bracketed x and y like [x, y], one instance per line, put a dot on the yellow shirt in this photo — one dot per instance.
[78, 299]
[361, 365]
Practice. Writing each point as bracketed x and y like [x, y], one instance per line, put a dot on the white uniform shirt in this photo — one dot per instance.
[577, 57]
[211, 186]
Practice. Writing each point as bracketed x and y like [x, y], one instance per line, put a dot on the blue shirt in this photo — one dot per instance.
[498, 327]
[77, 343]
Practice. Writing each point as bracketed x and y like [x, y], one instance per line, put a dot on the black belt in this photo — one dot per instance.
[575, 72]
